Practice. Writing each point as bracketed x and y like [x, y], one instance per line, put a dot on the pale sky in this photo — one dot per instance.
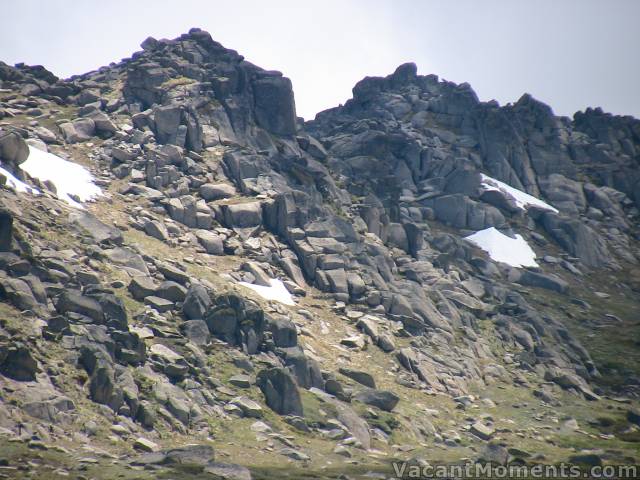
[568, 53]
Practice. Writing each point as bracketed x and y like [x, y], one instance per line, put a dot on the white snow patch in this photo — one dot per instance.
[18, 185]
[522, 199]
[277, 291]
[501, 248]
[68, 177]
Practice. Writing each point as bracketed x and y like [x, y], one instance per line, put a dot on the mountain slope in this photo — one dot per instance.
[127, 325]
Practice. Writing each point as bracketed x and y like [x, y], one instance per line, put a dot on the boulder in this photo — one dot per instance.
[166, 120]
[242, 215]
[98, 230]
[216, 191]
[79, 130]
[248, 407]
[494, 454]
[17, 362]
[196, 331]
[259, 275]
[280, 391]
[547, 281]
[13, 149]
[128, 259]
[156, 229]
[141, 287]
[74, 302]
[113, 309]
[17, 292]
[189, 455]
[382, 399]
[283, 331]
[305, 369]
[479, 429]
[211, 242]
[171, 291]
[361, 377]
[196, 303]
[237, 321]
[227, 471]
[161, 305]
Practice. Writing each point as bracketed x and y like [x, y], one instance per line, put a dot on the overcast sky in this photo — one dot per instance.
[568, 53]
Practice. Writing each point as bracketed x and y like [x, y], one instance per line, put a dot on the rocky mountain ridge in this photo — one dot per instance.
[137, 322]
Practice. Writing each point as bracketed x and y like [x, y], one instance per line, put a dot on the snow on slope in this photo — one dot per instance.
[522, 199]
[18, 185]
[69, 178]
[277, 291]
[501, 248]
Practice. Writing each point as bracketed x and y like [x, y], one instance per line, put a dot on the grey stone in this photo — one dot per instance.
[171, 291]
[363, 378]
[211, 242]
[280, 391]
[196, 331]
[74, 302]
[196, 303]
[13, 149]
[227, 471]
[141, 287]
[382, 399]
[216, 191]
[17, 362]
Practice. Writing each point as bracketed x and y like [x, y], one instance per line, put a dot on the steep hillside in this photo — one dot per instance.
[195, 283]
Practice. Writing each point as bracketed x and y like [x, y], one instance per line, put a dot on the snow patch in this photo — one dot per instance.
[522, 199]
[18, 185]
[277, 291]
[70, 179]
[502, 248]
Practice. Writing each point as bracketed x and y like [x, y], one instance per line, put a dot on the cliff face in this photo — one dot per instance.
[413, 269]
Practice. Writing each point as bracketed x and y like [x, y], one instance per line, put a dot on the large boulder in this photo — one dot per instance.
[212, 242]
[196, 303]
[79, 130]
[196, 331]
[237, 321]
[13, 149]
[98, 230]
[280, 391]
[141, 287]
[216, 191]
[242, 215]
[17, 362]
[74, 302]
[283, 331]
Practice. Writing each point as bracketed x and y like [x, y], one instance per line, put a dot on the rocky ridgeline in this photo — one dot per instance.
[367, 206]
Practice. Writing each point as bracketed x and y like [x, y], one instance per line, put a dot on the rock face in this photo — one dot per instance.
[275, 107]
[361, 298]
